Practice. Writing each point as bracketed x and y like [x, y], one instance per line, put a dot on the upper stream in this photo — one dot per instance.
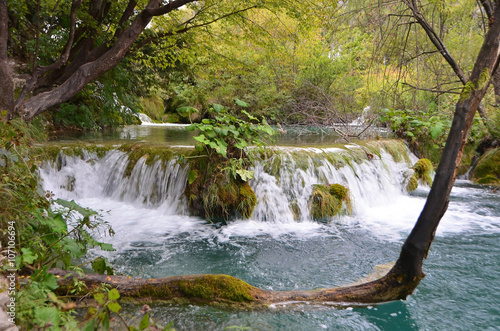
[280, 247]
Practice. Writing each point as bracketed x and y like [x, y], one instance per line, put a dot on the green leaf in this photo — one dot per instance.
[58, 224]
[192, 175]
[28, 256]
[114, 307]
[105, 320]
[106, 247]
[72, 205]
[70, 245]
[245, 175]
[202, 139]
[89, 326]
[45, 316]
[186, 110]
[241, 103]
[217, 108]
[100, 298]
[436, 130]
[101, 266]
[113, 294]
[144, 322]
[248, 115]
[50, 282]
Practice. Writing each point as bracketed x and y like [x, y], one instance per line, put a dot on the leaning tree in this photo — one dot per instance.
[59, 47]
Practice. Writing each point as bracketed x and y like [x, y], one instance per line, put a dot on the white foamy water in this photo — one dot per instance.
[149, 204]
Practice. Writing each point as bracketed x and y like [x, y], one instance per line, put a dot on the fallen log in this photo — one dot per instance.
[230, 290]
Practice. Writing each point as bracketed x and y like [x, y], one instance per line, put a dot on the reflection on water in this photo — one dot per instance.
[177, 134]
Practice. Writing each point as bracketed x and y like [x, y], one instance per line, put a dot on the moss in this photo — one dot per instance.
[467, 91]
[328, 200]
[338, 191]
[153, 107]
[423, 169]
[171, 118]
[154, 291]
[248, 200]
[217, 287]
[151, 152]
[51, 151]
[488, 166]
[397, 149]
[489, 179]
[412, 184]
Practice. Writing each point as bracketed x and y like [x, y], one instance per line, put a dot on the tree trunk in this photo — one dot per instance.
[6, 83]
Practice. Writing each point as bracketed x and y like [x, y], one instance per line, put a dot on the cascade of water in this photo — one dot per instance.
[283, 193]
[283, 183]
[145, 118]
[160, 185]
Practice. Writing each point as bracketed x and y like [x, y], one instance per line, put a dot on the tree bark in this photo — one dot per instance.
[6, 82]
[106, 59]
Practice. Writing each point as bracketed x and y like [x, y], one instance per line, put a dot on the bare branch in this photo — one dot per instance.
[431, 90]
[434, 38]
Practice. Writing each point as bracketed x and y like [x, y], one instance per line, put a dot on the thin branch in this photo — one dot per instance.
[434, 38]
[431, 90]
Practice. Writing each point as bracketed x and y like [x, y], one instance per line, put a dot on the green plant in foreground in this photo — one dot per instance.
[228, 136]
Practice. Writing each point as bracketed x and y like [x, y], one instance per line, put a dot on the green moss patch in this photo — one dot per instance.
[329, 200]
[161, 292]
[422, 171]
[488, 168]
[50, 151]
[153, 107]
[151, 152]
[217, 287]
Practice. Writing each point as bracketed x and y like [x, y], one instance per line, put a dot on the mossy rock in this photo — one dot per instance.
[215, 194]
[423, 169]
[153, 107]
[51, 151]
[329, 200]
[412, 184]
[488, 168]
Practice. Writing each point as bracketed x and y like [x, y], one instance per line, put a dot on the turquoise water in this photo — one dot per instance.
[459, 292]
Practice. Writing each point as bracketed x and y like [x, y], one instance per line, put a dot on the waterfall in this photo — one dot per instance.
[145, 119]
[159, 185]
[283, 180]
